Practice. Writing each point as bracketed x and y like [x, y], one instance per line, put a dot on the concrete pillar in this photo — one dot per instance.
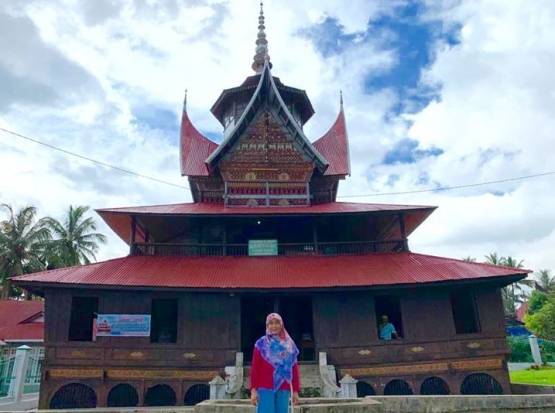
[348, 387]
[19, 373]
[534, 346]
[217, 388]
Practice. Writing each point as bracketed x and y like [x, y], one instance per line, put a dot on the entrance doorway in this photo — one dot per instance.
[297, 316]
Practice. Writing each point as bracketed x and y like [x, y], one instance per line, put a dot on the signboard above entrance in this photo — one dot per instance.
[261, 247]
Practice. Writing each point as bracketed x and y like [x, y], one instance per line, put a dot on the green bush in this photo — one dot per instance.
[519, 347]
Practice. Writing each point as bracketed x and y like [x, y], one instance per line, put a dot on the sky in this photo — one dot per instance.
[438, 93]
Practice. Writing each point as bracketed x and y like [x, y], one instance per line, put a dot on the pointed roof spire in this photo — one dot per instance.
[185, 102]
[261, 45]
[341, 100]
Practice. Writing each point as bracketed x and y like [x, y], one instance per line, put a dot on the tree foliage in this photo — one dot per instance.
[75, 241]
[542, 323]
[28, 244]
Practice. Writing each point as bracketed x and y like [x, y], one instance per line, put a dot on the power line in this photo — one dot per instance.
[444, 188]
[117, 168]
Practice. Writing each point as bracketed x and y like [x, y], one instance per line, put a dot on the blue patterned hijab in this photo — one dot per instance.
[279, 350]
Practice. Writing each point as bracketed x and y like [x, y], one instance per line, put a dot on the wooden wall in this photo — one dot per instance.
[209, 337]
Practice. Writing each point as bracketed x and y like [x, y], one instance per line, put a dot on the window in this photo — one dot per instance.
[163, 327]
[389, 306]
[83, 314]
[465, 314]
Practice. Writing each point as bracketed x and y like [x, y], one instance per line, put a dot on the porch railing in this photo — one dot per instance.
[307, 248]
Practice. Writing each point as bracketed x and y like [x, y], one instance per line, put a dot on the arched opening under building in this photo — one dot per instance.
[160, 395]
[123, 395]
[74, 396]
[196, 394]
[397, 388]
[364, 389]
[480, 383]
[434, 386]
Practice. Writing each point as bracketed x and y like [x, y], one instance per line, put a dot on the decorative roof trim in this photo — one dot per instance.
[257, 101]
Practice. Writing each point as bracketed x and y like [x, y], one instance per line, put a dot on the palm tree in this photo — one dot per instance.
[545, 282]
[74, 243]
[23, 241]
[494, 259]
[515, 293]
[468, 258]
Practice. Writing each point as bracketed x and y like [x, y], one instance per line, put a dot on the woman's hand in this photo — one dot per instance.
[295, 398]
[254, 397]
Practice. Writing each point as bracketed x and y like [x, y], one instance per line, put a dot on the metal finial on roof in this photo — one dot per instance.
[341, 100]
[185, 101]
[261, 45]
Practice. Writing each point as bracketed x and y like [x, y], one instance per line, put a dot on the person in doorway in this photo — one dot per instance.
[274, 381]
[386, 329]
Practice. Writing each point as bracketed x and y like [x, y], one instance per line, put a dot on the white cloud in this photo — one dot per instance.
[79, 73]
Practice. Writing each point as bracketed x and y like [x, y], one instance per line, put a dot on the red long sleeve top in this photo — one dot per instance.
[262, 374]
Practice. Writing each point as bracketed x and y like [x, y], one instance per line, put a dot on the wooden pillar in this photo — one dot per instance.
[315, 236]
[225, 238]
[403, 232]
[133, 231]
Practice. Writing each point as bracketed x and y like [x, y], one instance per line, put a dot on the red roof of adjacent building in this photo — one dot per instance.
[18, 320]
[334, 146]
[195, 148]
[521, 312]
[277, 272]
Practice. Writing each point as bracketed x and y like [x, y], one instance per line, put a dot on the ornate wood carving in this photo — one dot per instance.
[392, 370]
[79, 353]
[479, 364]
[76, 373]
[198, 375]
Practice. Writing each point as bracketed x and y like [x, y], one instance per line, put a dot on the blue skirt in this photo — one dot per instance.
[273, 402]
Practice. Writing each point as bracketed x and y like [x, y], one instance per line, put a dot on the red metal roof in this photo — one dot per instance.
[279, 272]
[119, 219]
[199, 208]
[17, 320]
[334, 146]
[195, 148]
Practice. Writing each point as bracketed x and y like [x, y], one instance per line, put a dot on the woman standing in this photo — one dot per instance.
[274, 370]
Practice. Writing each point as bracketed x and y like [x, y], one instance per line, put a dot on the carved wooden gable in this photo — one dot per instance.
[265, 154]
[265, 166]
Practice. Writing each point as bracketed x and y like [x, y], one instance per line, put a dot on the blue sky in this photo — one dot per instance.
[447, 94]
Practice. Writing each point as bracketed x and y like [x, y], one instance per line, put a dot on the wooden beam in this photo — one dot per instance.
[133, 231]
[403, 232]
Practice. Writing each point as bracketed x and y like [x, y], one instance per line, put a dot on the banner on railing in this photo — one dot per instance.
[123, 325]
[258, 247]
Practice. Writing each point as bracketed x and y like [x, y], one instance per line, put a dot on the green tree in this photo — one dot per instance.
[494, 259]
[75, 241]
[545, 282]
[515, 293]
[468, 258]
[541, 323]
[23, 241]
[536, 301]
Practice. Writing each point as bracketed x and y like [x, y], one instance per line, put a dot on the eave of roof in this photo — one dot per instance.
[119, 219]
[195, 148]
[334, 146]
[273, 273]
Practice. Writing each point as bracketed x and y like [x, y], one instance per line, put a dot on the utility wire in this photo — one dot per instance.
[446, 188]
[443, 188]
[117, 168]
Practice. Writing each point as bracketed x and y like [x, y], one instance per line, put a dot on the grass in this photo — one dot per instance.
[544, 376]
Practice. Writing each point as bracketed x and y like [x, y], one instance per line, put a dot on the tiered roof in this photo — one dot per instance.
[276, 273]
